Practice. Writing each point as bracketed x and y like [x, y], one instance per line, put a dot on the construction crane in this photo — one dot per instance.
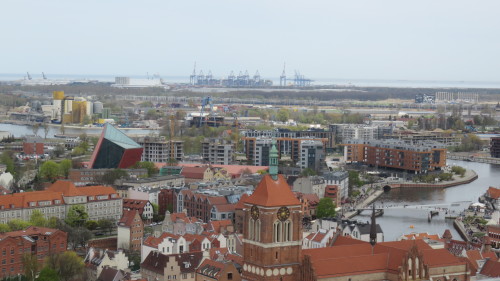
[44, 77]
[29, 76]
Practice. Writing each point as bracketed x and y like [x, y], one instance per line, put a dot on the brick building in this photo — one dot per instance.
[144, 208]
[33, 146]
[199, 205]
[157, 266]
[210, 270]
[166, 201]
[130, 231]
[417, 157]
[38, 241]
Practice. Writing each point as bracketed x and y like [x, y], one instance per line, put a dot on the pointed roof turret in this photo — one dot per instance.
[373, 228]
[273, 161]
[273, 192]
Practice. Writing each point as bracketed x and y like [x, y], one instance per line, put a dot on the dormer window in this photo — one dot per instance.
[32, 204]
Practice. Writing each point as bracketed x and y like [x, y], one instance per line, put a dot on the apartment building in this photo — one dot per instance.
[257, 148]
[101, 202]
[312, 155]
[419, 157]
[286, 133]
[217, 151]
[39, 241]
[160, 150]
[344, 132]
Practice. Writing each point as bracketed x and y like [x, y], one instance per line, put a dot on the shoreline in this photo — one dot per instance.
[469, 177]
[25, 123]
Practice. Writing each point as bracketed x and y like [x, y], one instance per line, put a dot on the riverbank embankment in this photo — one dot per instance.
[469, 176]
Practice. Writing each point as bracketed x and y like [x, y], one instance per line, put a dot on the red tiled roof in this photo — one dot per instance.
[346, 240]
[234, 170]
[211, 268]
[23, 199]
[225, 207]
[31, 230]
[272, 193]
[346, 267]
[439, 257]
[494, 192]
[67, 188]
[241, 203]
[422, 235]
[127, 218]
[194, 172]
[491, 269]
[135, 204]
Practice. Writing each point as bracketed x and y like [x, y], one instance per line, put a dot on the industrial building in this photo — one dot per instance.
[420, 157]
[158, 149]
[68, 109]
[217, 151]
[115, 150]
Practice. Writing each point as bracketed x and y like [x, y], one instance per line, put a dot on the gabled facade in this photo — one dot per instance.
[130, 231]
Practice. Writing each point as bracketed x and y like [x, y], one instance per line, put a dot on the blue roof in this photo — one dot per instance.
[118, 137]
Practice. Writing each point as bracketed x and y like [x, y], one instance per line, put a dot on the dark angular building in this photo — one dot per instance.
[115, 150]
[495, 147]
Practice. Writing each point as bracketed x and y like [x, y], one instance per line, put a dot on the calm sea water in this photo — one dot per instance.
[396, 222]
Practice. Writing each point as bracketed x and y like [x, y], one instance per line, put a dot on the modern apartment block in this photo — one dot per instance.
[158, 149]
[285, 133]
[312, 154]
[495, 147]
[217, 151]
[448, 139]
[257, 148]
[344, 132]
[418, 157]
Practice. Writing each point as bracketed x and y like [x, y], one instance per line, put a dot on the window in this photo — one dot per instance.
[251, 230]
[257, 231]
[230, 276]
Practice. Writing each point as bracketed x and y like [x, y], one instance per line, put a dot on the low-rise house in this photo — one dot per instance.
[159, 267]
[97, 259]
[144, 208]
[341, 179]
[318, 239]
[130, 231]
[361, 231]
[113, 274]
[235, 243]
[39, 241]
[493, 195]
[180, 224]
[210, 270]
[309, 203]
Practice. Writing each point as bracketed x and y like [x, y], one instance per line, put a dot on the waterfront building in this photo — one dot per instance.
[495, 147]
[493, 196]
[447, 139]
[418, 157]
[159, 150]
[217, 151]
[340, 179]
[33, 145]
[115, 150]
[38, 241]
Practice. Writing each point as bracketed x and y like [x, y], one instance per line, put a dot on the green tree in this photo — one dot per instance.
[38, 219]
[283, 115]
[91, 225]
[111, 176]
[106, 225]
[68, 265]
[326, 208]
[4, 228]
[59, 150]
[8, 161]
[48, 274]
[64, 167]
[17, 224]
[49, 171]
[354, 179]
[150, 166]
[30, 265]
[77, 215]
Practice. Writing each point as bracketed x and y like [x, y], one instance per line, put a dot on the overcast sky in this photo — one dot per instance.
[373, 39]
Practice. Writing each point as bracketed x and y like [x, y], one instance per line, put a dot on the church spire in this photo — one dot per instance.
[273, 161]
[373, 228]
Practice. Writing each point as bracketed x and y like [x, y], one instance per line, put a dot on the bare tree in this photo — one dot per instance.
[46, 129]
[35, 129]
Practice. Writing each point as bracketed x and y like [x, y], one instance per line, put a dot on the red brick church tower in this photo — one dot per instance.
[272, 229]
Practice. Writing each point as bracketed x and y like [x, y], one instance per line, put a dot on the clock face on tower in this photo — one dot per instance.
[254, 212]
[283, 213]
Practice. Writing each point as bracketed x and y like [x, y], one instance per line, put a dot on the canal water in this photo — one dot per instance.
[398, 219]
[23, 130]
